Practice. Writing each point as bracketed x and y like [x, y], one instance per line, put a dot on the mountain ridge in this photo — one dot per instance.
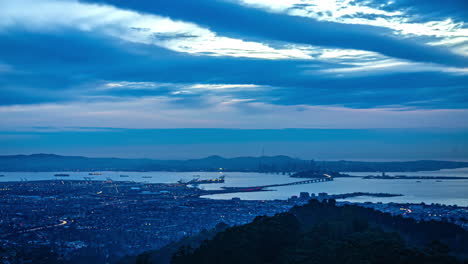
[279, 163]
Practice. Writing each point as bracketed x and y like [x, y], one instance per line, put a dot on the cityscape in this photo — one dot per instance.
[233, 131]
[77, 221]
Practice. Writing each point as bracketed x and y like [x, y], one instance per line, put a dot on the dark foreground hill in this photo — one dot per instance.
[164, 255]
[51, 162]
[326, 234]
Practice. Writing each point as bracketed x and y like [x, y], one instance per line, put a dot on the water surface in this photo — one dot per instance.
[428, 191]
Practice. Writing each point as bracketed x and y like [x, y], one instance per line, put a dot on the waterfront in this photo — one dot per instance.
[448, 192]
[102, 221]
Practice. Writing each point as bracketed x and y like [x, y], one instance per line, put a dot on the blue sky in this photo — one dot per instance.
[70, 69]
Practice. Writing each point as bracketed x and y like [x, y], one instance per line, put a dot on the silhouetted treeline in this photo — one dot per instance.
[164, 254]
[324, 233]
[417, 233]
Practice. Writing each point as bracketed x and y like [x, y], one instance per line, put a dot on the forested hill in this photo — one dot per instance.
[51, 162]
[326, 234]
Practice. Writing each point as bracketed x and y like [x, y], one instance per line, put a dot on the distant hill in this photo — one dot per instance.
[392, 166]
[327, 234]
[51, 162]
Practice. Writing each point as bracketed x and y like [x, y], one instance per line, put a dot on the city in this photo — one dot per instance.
[104, 221]
[233, 131]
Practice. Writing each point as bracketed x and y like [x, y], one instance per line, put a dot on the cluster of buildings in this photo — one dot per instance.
[420, 212]
[425, 212]
[103, 221]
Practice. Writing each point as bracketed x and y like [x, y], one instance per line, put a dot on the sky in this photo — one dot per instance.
[323, 79]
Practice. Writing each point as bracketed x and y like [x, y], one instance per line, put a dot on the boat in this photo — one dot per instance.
[61, 175]
[438, 181]
[124, 176]
[147, 177]
[196, 180]
[94, 173]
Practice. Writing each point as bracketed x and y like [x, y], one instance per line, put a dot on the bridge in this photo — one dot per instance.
[263, 187]
[300, 182]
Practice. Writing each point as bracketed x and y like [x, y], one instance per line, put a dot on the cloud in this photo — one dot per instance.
[99, 67]
[150, 29]
[95, 67]
[124, 85]
[55, 15]
[403, 18]
[224, 86]
[5, 68]
[234, 19]
[178, 90]
[389, 66]
[131, 85]
[220, 112]
[400, 21]
[76, 67]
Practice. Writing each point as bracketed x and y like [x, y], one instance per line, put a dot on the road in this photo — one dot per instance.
[62, 223]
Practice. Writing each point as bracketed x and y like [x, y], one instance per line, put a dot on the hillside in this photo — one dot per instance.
[164, 255]
[324, 233]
